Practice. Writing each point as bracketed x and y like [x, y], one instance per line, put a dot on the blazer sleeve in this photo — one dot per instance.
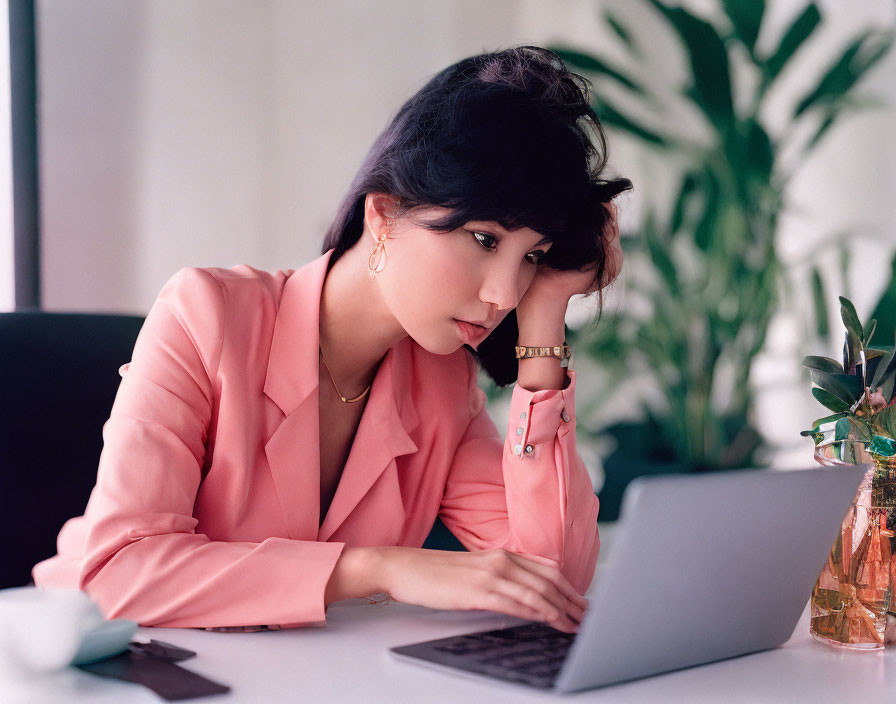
[530, 494]
[143, 558]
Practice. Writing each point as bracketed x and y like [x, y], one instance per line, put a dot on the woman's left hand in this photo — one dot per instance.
[553, 285]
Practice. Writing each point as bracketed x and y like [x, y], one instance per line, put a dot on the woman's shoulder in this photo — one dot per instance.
[241, 284]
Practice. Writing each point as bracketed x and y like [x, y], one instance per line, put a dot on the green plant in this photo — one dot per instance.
[706, 270]
[860, 391]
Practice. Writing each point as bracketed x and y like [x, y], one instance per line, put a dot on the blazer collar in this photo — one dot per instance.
[292, 372]
[291, 382]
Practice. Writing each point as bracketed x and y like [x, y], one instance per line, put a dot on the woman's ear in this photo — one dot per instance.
[380, 212]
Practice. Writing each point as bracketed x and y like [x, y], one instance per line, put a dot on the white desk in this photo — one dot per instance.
[347, 661]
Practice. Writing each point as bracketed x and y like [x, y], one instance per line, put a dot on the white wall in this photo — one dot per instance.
[219, 132]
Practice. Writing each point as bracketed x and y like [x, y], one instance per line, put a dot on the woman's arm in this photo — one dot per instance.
[143, 558]
[531, 493]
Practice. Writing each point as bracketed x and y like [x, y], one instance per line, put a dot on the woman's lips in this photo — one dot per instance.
[470, 331]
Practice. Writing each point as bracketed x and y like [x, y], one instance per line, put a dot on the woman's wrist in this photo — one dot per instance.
[542, 327]
[358, 572]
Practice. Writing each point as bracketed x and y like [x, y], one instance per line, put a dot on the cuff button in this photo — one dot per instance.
[517, 449]
[564, 415]
[530, 449]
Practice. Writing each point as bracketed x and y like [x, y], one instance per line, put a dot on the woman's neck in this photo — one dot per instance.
[356, 327]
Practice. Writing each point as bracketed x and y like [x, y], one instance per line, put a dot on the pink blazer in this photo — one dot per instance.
[206, 507]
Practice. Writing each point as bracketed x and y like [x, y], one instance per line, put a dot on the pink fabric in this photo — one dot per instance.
[206, 507]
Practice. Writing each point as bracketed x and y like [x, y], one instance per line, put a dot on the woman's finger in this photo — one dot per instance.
[531, 599]
[547, 589]
[550, 572]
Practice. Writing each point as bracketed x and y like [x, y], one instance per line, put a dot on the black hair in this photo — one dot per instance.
[507, 136]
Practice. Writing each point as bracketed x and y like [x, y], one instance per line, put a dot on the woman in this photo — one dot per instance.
[284, 440]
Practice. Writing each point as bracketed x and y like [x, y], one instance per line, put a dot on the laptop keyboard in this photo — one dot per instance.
[532, 653]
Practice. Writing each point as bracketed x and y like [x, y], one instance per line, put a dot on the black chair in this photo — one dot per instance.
[58, 380]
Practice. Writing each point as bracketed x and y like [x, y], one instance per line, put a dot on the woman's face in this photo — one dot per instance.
[476, 273]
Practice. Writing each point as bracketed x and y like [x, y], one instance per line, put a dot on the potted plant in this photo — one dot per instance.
[851, 599]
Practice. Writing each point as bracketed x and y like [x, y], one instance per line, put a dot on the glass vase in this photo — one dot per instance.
[851, 598]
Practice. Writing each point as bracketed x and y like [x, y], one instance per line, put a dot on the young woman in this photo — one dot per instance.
[284, 440]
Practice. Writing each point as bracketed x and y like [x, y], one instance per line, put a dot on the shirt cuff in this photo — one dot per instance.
[536, 416]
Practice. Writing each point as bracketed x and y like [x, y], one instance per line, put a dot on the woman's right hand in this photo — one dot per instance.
[492, 580]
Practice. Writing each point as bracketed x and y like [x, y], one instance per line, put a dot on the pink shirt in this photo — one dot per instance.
[206, 507]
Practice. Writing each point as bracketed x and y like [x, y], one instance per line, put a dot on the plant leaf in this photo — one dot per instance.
[709, 64]
[850, 318]
[869, 331]
[793, 38]
[746, 16]
[821, 307]
[860, 56]
[592, 64]
[827, 419]
[620, 31]
[688, 187]
[886, 421]
[846, 387]
[706, 228]
[830, 401]
[885, 310]
[824, 364]
[611, 116]
[834, 111]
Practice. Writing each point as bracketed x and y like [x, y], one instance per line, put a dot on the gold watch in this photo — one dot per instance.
[562, 352]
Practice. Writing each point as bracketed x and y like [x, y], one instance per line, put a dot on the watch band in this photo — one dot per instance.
[562, 352]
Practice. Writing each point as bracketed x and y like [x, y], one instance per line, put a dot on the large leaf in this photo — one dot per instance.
[823, 364]
[830, 401]
[850, 318]
[886, 420]
[834, 111]
[881, 372]
[793, 38]
[709, 64]
[706, 227]
[746, 16]
[611, 116]
[622, 32]
[659, 256]
[592, 64]
[860, 56]
[885, 311]
[687, 189]
[846, 387]
[821, 307]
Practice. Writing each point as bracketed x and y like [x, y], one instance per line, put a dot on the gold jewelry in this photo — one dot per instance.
[344, 399]
[562, 352]
[375, 262]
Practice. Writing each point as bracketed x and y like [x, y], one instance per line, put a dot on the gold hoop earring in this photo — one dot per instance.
[378, 258]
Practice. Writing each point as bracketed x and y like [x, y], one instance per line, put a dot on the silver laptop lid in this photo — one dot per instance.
[705, 567]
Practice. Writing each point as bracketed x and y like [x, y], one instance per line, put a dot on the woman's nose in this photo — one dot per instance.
[501, 287]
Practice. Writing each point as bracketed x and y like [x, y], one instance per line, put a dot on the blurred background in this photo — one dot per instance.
[759, 136]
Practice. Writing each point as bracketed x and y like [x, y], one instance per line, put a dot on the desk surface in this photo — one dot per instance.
[347, 661]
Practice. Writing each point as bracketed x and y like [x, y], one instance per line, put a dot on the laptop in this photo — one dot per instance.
[703, 567]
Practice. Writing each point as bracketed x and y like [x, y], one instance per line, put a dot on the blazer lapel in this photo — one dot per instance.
[293, 449]
[383, 435]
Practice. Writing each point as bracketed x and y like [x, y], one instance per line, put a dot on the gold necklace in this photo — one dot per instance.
[344, 399]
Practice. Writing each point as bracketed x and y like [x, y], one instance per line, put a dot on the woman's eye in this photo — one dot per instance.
[478, 235]
[481, 237]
